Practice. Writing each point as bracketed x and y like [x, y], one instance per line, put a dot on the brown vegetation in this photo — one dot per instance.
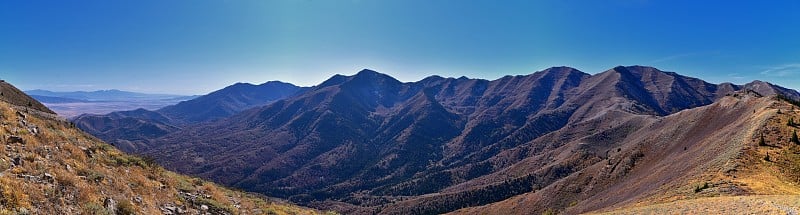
[52, 168]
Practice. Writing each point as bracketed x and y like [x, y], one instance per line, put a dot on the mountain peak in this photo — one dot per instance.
[367, 72]
[562, 70]
[372, 76]
[769, 89]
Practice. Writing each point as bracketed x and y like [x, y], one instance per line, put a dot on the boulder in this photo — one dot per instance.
[110, 204]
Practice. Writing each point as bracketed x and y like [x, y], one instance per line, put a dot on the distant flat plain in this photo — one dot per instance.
[72, 104]
[73, 109]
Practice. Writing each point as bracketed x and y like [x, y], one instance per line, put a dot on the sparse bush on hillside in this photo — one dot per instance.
[125, 207]
[761, 141]
[766, 158]
[794, 137]
[701, 188]
[12, 195]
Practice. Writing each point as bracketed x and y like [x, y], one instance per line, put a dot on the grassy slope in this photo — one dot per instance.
[61, 170]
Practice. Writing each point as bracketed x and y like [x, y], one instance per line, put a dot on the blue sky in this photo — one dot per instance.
[194, 47]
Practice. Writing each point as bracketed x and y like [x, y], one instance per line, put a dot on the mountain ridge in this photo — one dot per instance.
[367, 131]
[47, 166]
[131, 130]
[368, 143]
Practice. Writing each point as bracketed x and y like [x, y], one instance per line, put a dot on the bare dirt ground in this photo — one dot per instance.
[767, 204]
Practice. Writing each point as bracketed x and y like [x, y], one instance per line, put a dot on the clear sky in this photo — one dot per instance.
[194, 47]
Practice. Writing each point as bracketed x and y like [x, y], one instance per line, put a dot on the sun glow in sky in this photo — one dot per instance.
[194, 47]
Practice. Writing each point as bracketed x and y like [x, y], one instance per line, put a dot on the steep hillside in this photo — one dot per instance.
[10, 94]
[702, 152]
[49, 167]
[370, 144]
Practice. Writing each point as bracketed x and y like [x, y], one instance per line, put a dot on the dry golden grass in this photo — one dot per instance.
[65, 171]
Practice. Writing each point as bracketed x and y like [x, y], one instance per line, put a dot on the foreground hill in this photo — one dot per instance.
[708, 151]
[130, 130]
[371, 144]
[11, 95]
[49, 167]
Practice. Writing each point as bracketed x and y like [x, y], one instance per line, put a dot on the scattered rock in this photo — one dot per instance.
[20, 115]
[89, 152]
[137, 199]
[34, 130]
[110, 204]
[204, 207]
[17, 161]
[28, 177]
[49, 178]
[170, 209]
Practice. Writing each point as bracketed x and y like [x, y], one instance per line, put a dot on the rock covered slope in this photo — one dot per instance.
[371, 144]
[49, 167]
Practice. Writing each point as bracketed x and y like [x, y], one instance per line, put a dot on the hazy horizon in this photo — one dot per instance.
[192, 48]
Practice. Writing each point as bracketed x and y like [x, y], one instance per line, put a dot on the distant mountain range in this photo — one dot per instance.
[558, 140]
[101, 95]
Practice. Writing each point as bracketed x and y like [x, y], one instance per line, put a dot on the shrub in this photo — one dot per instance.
[12, 194]
[124, 207]
[761, 141]
[701, 188]
[794, 137]
[94, 208]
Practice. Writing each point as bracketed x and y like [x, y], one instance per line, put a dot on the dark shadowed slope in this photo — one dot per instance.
[131, 130]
